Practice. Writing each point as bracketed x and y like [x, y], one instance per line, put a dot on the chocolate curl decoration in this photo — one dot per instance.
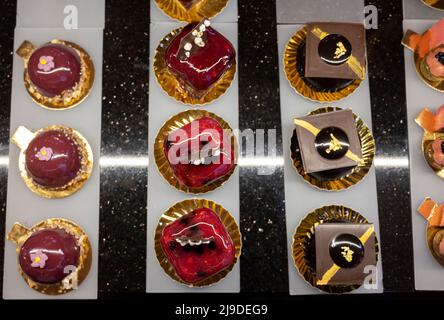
[429, 121]
[432, 212]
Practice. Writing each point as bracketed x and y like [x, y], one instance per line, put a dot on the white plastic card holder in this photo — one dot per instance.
[429, 274]
[60, 14]
[82, 207]
[161, 195]
[303, 11]
[302, 198]
[227, 15]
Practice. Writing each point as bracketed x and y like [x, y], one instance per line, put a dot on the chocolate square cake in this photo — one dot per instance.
[343, 250]
[328, 141]
[335, 50]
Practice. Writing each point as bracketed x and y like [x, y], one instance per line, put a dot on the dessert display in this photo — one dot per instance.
[54, 161]
[195, 151]
[54, 256]
[433, 139]
[326, 61]
[197, 242]
[332, 246]
[58, 75]
[428, 51]
[435, 4]
[433, 213]
[191, 10]
[195, 64]
[331, 148]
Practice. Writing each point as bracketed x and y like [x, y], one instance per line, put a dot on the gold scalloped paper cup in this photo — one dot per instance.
[19, 234]
[434, 4]
[176, 122]
[23, 136]
[200, 10]
[305, 233]
[183, 208]
[176, 88]
[72, 98]
[356, 174]
[295, 79]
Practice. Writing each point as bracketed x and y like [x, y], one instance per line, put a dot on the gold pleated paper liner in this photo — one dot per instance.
[19, 234]
[427, 140]
[356, 174]
[73, 186]
[202, 9]
[176, 122]
[183, 208]
[434, 4]
[178, 89]
[304, 250]
[74, 98]
[295, 80]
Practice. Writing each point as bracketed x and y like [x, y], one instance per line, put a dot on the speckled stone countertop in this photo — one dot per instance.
[123, 192]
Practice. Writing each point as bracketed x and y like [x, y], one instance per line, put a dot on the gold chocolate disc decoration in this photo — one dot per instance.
[191, 11]
[303, 248]
[183, 208]
[176, 88]
[19, 234]
[23, 136]
[176, 122]
[347, 178]
[296, 81]
[434, 4]
[69, 99]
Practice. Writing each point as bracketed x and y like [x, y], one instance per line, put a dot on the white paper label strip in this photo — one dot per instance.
[161, 195]
[429, 274]
[24, 206]
[301, 198]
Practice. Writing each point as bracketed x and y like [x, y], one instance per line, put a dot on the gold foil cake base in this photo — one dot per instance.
[183, 208]
[69, 99]
[303, 248]
[434, 4]
[22, 137]
[199, 10]
[175, 88]
[296, 81]
[355, 175]
[176, 122]
[19, 234]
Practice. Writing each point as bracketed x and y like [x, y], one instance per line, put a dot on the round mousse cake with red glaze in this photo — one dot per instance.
[200, 155]
[49, 255]
[54, 69]
[196, 65]
[58, 75]
[53, 159]
[198, 246]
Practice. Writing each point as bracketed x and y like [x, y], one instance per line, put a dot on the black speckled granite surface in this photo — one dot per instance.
[264, 273]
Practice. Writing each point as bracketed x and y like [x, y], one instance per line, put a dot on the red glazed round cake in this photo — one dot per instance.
[53, 159]
[49, 255]
[54, 69]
